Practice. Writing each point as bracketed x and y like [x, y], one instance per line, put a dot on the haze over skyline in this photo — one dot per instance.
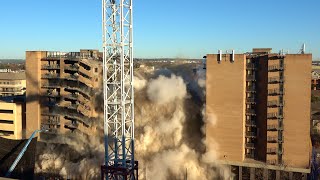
[173, 29]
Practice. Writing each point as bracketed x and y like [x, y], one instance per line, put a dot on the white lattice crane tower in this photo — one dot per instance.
[118, 90]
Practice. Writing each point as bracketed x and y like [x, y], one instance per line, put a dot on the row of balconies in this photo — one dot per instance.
[274, 116]
[50, 76]
[251, 156]
[251, 100]
[72, 67]
[272, 162]
[78, 117]
[274, 151]
[251, 78]
[50, 67]
[86, 91]
[251, 134]
[275, 92]
[274, 103]
[275, 80]
[73, 77]
[4, 90]
[71, 125]
[273, 128]
[274, 139]
[250, 145]
[277, 57]
[51, 85]
[55, 121]
[251, 66]
[251, 123]
[251, 89]
[250, 112]
[275, 68]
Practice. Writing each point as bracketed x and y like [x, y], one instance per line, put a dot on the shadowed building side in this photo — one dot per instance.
[33, 75]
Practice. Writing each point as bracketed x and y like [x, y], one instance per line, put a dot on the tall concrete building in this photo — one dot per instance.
[261, 101]
[60, 90]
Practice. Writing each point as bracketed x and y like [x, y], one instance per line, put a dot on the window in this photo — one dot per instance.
[6, 122]
[6, 111]
[96, 70]
[6, 133]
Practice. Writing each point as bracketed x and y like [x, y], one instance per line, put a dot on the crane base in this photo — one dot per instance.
[116, 173]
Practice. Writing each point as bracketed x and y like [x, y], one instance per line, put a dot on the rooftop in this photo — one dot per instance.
[13, 76]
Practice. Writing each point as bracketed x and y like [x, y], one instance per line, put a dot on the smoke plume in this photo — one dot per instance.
[170, 136]
[170, 140]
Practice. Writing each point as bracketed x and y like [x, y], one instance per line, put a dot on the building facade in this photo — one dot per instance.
[261, 102]
[12, 120]
[12, 84]
[61, 90]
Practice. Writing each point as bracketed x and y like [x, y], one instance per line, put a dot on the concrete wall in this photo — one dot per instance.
[11, 120]
[33, 75]
[226, 100]
[297, 110]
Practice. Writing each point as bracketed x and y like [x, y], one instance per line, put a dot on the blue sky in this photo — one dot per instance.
[175, 28]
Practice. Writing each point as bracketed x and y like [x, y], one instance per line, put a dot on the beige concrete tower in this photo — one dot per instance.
[260, 103]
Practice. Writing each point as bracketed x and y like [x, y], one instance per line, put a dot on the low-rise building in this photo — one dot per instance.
[12, 119]
[12, 84]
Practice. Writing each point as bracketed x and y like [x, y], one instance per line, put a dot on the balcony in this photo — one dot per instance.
[50, 76]
[251, 78]
[54, 121]
[86, 91]
[71, 125]
[52, 95]
[251, 123]
[275, 92]
[273, 116]
[251, 66]
[275, 68]
[78, 117]
[72, 96]
[50, 67]
[271, 150]
[277, 57]
[275, 80]
[272, 139]
[250, 112]
[72, 77]
[72, 67]
[250, 146]
[273, 128]
[51, 85]
[272, 162]
[274, 104]
[50, 114]
[251, 100]
[251, 156]
[251, 134]
[251, 89]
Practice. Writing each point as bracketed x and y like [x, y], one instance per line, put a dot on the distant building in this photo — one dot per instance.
[261, 102]
[12, 84]
[12, 118]
[61, 89]
[315, 79]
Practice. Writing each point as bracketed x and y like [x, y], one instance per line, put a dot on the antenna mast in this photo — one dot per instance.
[118, 91]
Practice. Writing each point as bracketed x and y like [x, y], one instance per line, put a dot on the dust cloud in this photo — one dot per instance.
[170, 141]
